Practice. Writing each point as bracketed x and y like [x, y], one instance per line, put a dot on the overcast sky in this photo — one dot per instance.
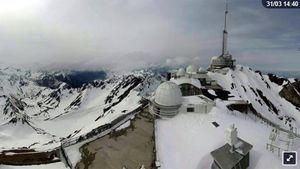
[129, 34]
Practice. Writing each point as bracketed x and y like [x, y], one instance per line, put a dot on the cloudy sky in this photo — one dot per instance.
[129, 34]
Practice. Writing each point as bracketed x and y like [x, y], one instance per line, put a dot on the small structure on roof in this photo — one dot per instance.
[234, 154]
[180, 72]
[191, 69]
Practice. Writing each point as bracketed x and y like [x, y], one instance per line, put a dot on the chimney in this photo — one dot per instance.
[231, 137]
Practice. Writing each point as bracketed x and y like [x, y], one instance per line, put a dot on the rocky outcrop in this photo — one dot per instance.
[291, 92]
[278, 80]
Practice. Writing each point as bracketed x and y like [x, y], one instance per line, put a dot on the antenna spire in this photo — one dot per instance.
[225, 33]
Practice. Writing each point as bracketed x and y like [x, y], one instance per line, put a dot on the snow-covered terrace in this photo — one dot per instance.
[186, 140]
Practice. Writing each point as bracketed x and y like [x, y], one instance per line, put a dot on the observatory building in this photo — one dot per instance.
[225, 59]
[188, 86]
[166, 100]
[192, 72]
[234, 154]
[184, 91]
[181, 94]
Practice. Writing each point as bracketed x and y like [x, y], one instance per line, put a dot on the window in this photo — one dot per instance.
[190, 109]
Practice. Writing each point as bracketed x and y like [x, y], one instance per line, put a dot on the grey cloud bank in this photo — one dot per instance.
[129, 34]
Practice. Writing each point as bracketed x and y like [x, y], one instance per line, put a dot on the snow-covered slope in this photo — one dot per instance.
[245, 84]
[38, 115]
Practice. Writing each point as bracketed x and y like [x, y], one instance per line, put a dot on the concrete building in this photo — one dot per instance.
[235, 154]
[196, 104]
[192, 71]
[223, 61]
[188, 86]
[179, 95]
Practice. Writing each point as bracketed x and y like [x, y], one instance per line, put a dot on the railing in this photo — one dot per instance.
[104, 129]
[272, 148]
[272, 124]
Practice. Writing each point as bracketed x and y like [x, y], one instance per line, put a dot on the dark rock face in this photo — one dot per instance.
[131, 82]
[271, 106]
[291, 93]
[13, 106]
[275, 79]
[48, 81]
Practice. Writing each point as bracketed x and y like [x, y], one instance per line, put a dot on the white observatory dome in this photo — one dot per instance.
[191, 69]
[201, 70]
[168, 94]
[180, 72]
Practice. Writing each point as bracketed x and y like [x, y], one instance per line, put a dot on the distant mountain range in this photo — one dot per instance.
[40, 109]
[48, 107]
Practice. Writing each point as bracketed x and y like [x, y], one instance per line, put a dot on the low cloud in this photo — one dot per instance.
[129, 34]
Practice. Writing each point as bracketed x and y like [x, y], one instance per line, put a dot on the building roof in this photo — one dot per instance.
[168, 94]
[187, 100]
[195, 100]
[185, 80]
[237, 102]
[227, 160]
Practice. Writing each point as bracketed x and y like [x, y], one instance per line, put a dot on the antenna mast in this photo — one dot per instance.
[225, 33]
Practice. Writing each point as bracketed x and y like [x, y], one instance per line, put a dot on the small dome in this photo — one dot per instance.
[191, 69]
[215, 58]
[201, 70]
[168, 94]
[180, 72]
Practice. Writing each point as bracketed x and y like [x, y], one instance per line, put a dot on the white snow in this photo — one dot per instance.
[183, 80]
[246, 78]
[50, 113]
[123, 126]
[186, 100]
[73, 153]
[212, 92]
[186, 140]
[57, 165]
